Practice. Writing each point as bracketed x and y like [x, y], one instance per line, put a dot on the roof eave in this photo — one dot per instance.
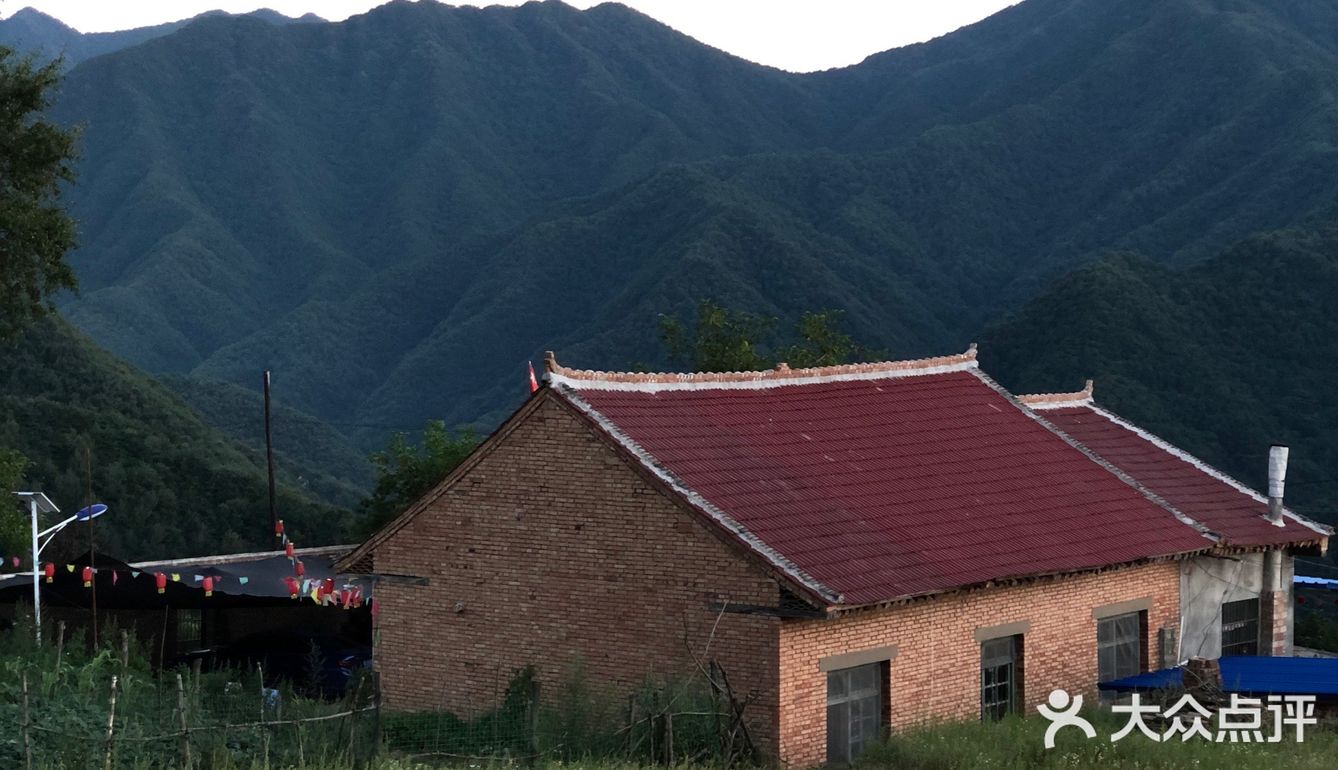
[843, 609]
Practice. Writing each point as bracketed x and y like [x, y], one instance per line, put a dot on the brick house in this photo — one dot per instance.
[1241, 590]
[858, 546]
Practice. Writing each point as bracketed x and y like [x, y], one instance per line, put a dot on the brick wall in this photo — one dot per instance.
[936, 671]
[553, 550]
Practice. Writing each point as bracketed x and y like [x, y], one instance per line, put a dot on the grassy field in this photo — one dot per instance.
[1019, 743]
[68, 703]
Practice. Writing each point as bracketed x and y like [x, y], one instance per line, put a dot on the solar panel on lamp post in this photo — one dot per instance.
[40, 503]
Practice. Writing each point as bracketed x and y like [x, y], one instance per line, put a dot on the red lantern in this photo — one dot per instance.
[160, 580]
[49, 570]
[208, 586]
[298, 569]
[288, 549]
[328, 585]
[346, 598]
[278, 527]
[88, 577]
[291, 582]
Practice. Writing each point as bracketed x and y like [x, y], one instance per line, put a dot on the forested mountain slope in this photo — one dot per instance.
[395, 211]
[1223, 358]
[175, 486]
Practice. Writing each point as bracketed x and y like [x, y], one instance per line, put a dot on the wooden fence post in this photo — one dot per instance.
[60, 651]
[668, 737]
[27, 720]
[534, 718]
[111, 725]
[264, 731]
[125, 653]
[185, 730]
[376, 712]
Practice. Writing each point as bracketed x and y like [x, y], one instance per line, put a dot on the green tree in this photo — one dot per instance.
[726, 340]
[35, 159]
[13, 524]
[405, 471]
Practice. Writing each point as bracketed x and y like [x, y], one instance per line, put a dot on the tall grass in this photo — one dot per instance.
[69, 705]
[1019, 743]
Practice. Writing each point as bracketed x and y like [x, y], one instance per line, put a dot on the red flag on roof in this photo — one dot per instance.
[534, 383]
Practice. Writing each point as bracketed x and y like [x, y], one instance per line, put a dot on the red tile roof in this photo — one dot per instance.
[880, 481]
[1230, 509]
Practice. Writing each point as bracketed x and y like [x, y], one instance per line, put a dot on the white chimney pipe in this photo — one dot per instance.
[1277, 479]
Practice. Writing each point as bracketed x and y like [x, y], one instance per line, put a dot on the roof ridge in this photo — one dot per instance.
[1091, 454]
[1059, 400]
[1206, 468]
[782, 374]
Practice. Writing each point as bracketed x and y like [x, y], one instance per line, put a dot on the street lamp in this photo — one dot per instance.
[38, 502]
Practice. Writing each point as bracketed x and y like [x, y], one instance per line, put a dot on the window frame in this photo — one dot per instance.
[871, 701]
[1122, 637]
[1247, 644]
[1006, 653]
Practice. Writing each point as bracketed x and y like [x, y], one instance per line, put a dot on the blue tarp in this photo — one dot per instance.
[1315, 582]
[1248, 675]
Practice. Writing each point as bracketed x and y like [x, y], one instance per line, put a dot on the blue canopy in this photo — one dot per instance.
[1247, 675]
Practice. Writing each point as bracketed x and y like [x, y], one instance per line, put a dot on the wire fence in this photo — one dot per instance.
[669, 723]
[72, 706]
[186, 720]
[66, 706]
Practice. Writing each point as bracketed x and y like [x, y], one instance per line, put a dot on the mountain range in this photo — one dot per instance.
[175, 485]
[32, 31]
[395, 212]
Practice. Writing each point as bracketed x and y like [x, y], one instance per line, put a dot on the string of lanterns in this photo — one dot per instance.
[322, 592]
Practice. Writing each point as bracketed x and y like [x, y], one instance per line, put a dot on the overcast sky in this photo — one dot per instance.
[798, 35]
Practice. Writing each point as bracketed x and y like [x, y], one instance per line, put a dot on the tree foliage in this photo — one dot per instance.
[35, 159]
[406, 471]
[175, 486]
[1223, 357]
[13, 523]
[730, 340]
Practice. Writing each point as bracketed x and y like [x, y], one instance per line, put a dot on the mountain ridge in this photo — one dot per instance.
[396, 210]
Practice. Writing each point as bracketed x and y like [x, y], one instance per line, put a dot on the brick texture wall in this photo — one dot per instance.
[936, 671]
[553, 551]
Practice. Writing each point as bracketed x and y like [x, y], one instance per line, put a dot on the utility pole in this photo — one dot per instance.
[269, 460]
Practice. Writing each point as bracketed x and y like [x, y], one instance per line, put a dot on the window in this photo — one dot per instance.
[190, 629]
[1119, 646]
[855, 707]
[1240, 627]
[1000, 676]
